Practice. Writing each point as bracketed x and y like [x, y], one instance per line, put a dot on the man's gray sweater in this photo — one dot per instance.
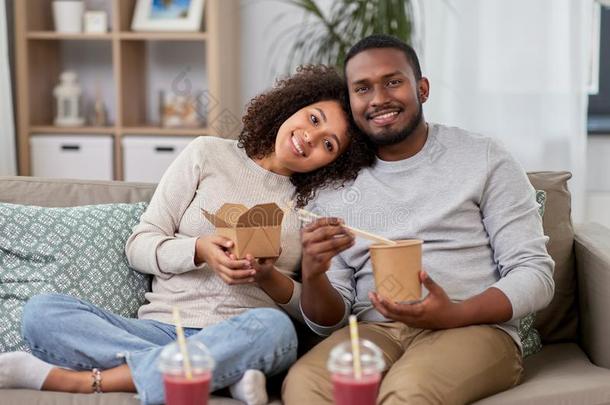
[472, 205]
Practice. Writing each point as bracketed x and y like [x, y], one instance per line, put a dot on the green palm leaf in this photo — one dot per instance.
[326, 38]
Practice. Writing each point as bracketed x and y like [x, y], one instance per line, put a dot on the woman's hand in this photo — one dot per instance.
[322, 240]
[211, 249]
[264, 267]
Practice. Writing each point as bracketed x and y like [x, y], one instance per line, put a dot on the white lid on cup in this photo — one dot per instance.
[171, 360]
[341, 360]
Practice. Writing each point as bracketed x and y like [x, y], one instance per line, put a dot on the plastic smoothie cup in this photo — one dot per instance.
[396, 270]
[347, 388]
[179, 388]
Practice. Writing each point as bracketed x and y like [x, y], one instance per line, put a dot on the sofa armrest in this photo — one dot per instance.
[592, 248]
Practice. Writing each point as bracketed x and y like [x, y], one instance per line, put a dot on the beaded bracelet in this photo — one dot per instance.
[96, 374]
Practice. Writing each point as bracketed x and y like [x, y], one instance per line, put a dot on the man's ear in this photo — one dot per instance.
[423, 89]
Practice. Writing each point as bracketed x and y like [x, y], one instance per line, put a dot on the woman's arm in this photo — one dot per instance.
[277, 285]
[282, 289]
[154, 246]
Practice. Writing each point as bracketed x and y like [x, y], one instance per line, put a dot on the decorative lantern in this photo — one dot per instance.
[67, 95]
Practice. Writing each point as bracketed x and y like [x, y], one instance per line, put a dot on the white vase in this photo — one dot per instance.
[68, 16]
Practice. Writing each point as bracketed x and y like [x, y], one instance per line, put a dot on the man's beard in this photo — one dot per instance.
[386, 138]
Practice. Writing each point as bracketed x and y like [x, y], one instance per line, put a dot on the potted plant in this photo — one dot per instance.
[326, 37]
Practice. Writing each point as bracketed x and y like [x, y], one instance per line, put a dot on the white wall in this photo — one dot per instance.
[8, 158]
[265, 43]
[519, 77]
[267, 33]
[598, 179]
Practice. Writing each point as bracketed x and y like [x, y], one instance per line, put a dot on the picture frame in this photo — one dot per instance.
[168, 15]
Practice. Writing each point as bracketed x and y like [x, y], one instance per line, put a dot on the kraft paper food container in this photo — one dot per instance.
[396, 269]
[256, 231]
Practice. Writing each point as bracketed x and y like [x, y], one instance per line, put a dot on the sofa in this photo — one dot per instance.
[573, 366]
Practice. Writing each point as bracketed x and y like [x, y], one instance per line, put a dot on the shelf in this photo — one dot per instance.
[163, 36]
[127, 35]
[51, 130]
[151, 130]
[145, 130]
[131, 66]
[56, 36]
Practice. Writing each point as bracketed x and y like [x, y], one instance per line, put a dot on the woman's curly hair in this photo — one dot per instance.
[268, 111]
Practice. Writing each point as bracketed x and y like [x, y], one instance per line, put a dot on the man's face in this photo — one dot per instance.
[385, 98]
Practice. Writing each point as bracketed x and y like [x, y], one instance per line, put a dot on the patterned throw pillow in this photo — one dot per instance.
[541, 200]
[77, 251]
[530, 338]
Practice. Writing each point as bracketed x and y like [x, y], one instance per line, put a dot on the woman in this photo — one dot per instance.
[296, 139]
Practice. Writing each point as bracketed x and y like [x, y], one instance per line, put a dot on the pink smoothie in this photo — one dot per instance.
[181, 391]
[350, 391]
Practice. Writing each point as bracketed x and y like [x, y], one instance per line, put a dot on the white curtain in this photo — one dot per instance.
[7, 127]
[515, 70]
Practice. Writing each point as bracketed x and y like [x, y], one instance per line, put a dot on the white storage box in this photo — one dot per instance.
[72, 156]
[145, 158]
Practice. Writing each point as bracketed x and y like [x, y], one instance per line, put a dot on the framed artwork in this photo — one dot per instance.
[167, 15]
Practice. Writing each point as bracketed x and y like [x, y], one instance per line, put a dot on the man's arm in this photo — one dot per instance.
[321, 303]
[511, 219]
[153, 246]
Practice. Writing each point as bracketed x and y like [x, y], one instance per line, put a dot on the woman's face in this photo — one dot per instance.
[312, 137]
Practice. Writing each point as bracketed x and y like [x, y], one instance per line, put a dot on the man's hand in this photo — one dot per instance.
[211, 250]
[322, 240]
[436, 311]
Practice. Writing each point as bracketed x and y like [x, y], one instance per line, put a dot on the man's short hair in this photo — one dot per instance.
[376, 41]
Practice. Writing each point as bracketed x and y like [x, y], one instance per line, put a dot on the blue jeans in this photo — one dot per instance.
[68, 332]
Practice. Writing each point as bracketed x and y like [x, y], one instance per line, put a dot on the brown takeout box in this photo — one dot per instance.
[254, 231]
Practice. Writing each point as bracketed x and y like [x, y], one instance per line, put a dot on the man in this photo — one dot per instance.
[484, 256]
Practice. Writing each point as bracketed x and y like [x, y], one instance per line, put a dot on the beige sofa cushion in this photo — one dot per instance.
[559, 321]
[31, 397]
[70, 193]
[559, 374]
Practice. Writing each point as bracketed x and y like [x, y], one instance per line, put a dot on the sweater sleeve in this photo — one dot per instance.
[155, 246]
[341, 277]
[292, 307]
[510, 216]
